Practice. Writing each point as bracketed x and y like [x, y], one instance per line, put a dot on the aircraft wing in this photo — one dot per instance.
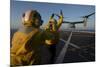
[66, 22]
[76, 22]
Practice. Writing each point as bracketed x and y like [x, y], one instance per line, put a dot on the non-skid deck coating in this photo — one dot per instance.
[84, 40]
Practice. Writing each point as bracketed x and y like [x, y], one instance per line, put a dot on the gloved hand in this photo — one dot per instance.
[52, 16]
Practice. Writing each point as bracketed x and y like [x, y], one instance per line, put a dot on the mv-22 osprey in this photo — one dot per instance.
[61, 55]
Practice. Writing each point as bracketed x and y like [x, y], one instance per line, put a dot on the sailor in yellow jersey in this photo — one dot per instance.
[25, 42]
[52, 32]
[53, 27]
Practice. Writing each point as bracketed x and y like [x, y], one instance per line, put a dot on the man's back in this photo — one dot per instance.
[24, 47]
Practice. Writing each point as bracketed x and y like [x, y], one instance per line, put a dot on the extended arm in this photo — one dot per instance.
[60, 21]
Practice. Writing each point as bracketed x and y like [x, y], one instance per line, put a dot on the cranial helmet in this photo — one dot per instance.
[32, 18]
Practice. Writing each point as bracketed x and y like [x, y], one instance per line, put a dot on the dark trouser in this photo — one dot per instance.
[52, 49]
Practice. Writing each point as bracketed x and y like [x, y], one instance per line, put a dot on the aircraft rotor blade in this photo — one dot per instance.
[87, 16]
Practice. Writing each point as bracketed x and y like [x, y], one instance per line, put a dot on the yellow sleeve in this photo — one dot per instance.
[59, 21]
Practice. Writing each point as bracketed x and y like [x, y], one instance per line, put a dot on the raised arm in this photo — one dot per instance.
[60, 21]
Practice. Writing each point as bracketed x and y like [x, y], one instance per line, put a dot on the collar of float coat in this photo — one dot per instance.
[27, 29]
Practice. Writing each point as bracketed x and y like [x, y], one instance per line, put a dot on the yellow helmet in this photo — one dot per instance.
[32, 18]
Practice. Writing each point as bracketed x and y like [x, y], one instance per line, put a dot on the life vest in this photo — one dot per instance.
[25, 48]
[51, 37]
